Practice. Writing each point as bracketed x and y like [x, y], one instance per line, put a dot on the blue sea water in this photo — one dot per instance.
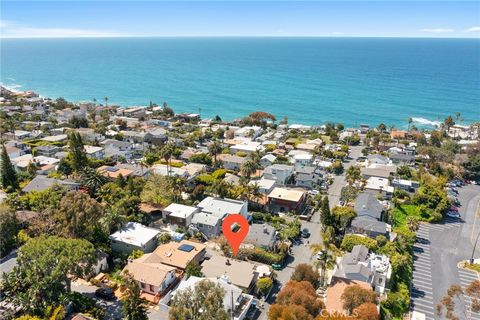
[309, 80]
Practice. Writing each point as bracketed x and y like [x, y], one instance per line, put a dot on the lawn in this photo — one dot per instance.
[401, 212]
[473, 266]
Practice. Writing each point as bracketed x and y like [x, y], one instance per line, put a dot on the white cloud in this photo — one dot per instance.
[13, 30]
[473, 29]
[437, 30]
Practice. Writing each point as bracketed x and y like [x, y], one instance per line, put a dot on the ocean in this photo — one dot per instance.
[309, 80]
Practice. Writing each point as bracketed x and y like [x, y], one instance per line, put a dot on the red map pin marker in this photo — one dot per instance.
[235, 238]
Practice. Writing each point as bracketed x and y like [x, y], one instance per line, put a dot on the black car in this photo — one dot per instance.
[305, 233]
[105, 293]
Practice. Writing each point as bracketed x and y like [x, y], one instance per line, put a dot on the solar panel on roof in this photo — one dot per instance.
[186, 247]
[111, 169]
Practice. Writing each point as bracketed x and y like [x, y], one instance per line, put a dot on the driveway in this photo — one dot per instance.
[335, 189]
[439, 249]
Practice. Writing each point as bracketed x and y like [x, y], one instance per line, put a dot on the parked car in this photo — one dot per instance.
[313, 192]
[453, 214]
[454, 209]
[105, 293]
[305, 233]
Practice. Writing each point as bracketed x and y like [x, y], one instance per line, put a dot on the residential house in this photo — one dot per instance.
[231, 162]
[262, 236]
[287, 200]
[251, 132]
[265, 186]
[380, 186]
[115, 149]
[208, 224]
[180, 254]
[114, 172]
[152, 276]
[301, 160]
[370, 217]
[377, 159]
[267, 160]
[247, 147]
[47, 151]
[41, 183]
[179, 214]
[359, 265]
[308, 177]
[88, 134]
[164, 170]
[404, 184]
[243, 274]
[134, 236]
[402, 158]
[60, 138]
[380, 171]
[223, 207]
[137, 169]
[281, 173]
[235, 302]
[95, 152]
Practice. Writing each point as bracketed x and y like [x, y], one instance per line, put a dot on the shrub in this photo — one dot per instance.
[351, 240]
[355, 295]
[219, 173]
[260, 255]
[205, 179]
[264, 285]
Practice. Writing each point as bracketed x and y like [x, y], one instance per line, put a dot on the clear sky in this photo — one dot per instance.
[239, 18]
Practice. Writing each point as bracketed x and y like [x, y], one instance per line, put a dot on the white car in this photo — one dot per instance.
[313, 192]
[453, 214]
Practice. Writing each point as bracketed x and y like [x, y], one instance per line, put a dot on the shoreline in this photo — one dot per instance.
[418, 121]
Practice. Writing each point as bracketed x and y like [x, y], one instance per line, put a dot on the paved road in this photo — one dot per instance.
[339, 181]
[439, 249]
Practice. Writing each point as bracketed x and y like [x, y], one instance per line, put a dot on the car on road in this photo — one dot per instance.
[305, 233]
[453, 214]
[105, 293]
[313, 192]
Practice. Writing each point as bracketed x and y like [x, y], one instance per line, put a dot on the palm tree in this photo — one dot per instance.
[412, 223]
[326, 258]
[353, 175]
[255, 191]
[166, 153]
[178, 185]
[106, 101]
[410, 120]
[113, 220]
[214, 149]
[248, 168]
[92, 180]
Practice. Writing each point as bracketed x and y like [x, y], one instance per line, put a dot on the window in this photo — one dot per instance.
[151, 288]
[142, 285]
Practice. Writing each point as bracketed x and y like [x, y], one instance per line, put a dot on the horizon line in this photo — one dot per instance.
[236, 36]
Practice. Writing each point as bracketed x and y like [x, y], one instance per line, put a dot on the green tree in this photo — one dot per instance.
[77, 151]
[326, 217]
[133, 306]
[167, 153]
[9, 228]
[248, 168]
[343, 216]
[264, 285]
[8, 173]
[206, 296]
[78, 216]
[472, 167]
[44, 271]
[325, 255]
[158, 190]
[193, 269]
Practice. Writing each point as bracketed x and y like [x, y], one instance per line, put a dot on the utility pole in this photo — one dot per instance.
[474, 247]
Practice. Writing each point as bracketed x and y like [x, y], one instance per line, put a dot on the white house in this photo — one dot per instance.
[179, 214]
[134, 236]
[95, 152]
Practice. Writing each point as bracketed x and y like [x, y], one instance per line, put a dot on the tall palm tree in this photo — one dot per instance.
[106, 101]
[410, 120]
[325, 258]
[113, 220]
[412, 223]
[167, 153]
[214, 149]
